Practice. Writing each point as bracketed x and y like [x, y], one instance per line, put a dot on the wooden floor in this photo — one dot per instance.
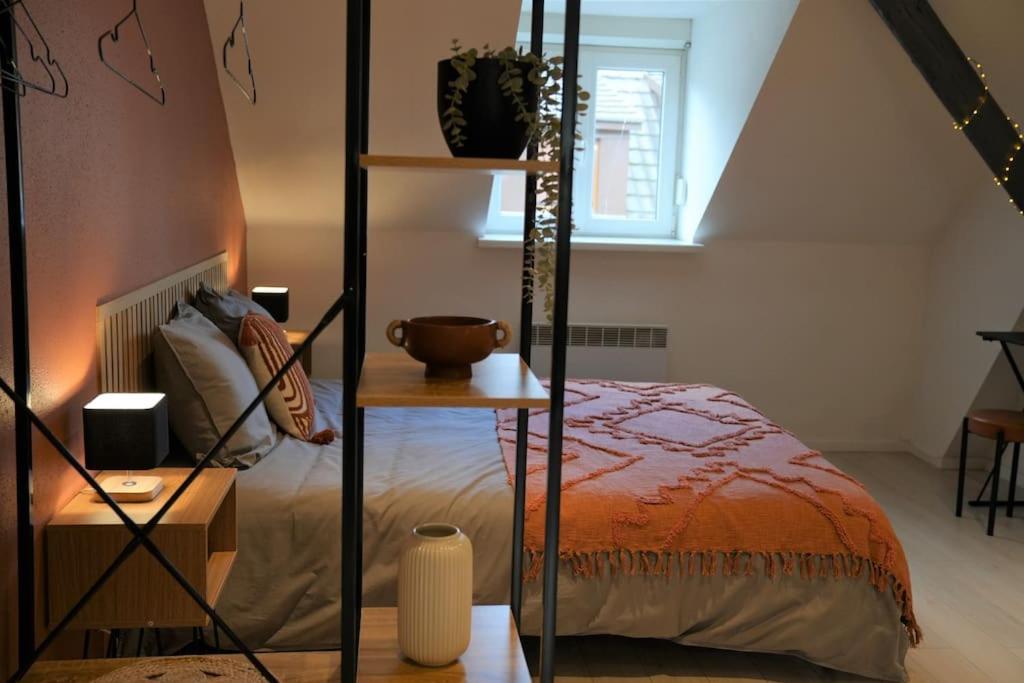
[968, 595]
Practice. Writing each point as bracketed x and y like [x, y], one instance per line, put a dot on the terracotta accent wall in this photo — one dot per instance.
[119, 192]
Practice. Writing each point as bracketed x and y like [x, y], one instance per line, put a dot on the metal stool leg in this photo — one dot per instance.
[1011, 498]
[996, 471]
[963, 470]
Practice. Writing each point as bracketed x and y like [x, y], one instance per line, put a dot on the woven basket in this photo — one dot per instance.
[183, 670]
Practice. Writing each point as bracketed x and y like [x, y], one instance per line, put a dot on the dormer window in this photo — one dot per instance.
[628, 163]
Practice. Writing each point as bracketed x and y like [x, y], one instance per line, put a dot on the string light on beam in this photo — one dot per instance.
[1004, 177]
[1010, 159]
[967, 120]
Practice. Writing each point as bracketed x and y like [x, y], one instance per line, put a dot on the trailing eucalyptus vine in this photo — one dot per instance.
[545, 131]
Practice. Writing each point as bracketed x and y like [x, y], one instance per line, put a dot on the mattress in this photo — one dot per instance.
[439, 465]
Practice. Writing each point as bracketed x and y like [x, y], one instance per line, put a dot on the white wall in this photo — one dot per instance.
[733, 45]
[845, 143]
[289, 151]
[821, 336]
[975, 281]
[975, 278]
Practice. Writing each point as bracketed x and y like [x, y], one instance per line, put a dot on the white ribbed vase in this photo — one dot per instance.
[435, 594]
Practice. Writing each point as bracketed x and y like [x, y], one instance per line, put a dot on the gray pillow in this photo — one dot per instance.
[208, 385]
[226, 309]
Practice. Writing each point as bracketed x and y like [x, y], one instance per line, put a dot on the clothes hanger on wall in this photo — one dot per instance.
[114, 35]
[229, 43]
[38, 52]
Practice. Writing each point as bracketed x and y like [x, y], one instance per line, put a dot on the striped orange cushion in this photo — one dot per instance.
[266, 349]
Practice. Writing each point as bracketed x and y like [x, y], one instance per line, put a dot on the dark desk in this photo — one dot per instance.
[1005, 339]
[1008, 337]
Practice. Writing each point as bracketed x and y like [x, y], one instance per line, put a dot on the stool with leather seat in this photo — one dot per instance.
[1004, 427]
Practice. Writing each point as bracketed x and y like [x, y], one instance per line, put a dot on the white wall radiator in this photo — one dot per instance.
[637, 353]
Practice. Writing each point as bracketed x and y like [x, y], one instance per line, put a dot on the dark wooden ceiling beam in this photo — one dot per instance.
[958, 85]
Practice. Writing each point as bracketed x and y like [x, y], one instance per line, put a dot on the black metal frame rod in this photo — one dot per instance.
[354, 335]
[19, 340]
[525, 345]
[559, 341]
[142, 537]
[1013, 364]
[364, 185]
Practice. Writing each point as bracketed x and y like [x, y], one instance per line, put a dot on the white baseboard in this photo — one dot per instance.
[856, 445]
[974, 462]
[938, 462]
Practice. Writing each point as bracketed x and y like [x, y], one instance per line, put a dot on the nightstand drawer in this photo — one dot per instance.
[198, 535]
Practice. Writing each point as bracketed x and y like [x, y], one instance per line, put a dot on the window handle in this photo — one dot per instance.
[680, 191]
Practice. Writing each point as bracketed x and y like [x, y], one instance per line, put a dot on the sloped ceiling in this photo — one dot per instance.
[733, 46]
[845, 142]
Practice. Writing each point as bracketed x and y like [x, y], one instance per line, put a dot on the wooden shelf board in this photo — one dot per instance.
[445, 164]
[218, 567]
[502, 380]
[494, 654]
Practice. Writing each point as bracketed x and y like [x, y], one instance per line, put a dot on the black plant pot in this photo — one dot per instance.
[491, 128]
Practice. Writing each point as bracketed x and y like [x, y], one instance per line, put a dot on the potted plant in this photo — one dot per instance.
[492, 104]
[484, 101]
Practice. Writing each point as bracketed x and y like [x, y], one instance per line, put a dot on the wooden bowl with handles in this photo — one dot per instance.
[449, 344]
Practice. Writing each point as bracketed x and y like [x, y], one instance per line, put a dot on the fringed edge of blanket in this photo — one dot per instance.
[735, 563]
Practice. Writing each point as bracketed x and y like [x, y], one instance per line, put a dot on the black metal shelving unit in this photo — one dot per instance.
[19, 333]
[352, 301]
[13, 86]
[356, 184]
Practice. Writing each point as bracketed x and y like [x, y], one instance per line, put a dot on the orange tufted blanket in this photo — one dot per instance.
[679, 479]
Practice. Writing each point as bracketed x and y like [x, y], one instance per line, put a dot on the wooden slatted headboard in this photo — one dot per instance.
[125, 325]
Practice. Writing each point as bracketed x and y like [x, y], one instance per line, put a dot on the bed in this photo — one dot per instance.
[447, 465]
[693, 467]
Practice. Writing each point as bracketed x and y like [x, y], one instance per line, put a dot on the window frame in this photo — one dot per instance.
[625, 59]
[666, 225]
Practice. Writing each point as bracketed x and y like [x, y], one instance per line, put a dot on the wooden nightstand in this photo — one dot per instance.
[295, 338]
[198, 535]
